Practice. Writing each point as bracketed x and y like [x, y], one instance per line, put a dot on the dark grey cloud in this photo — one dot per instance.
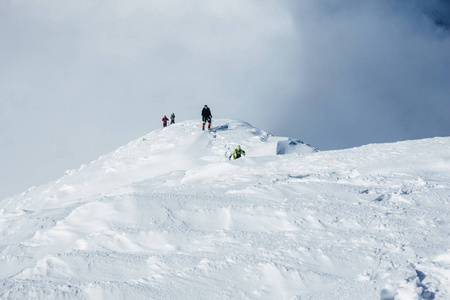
[369, 72]
[80, 78]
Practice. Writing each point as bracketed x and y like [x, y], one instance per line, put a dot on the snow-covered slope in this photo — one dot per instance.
[168, 216]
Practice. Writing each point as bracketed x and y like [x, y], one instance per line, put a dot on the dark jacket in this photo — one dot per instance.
[206, 113]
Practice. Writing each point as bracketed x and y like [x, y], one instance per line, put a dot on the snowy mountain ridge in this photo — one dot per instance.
[168, 216]
[179, 147]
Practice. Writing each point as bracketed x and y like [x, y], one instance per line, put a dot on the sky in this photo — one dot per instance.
[80, 78]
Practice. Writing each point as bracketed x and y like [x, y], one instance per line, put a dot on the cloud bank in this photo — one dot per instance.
[80, 78]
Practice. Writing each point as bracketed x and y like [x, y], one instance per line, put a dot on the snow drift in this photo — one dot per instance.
[168, 216]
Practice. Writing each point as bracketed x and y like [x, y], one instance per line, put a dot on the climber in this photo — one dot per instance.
[206, 117]
[164, 119]
[236, 153]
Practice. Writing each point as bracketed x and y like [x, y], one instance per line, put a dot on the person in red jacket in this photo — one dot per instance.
[164, 119]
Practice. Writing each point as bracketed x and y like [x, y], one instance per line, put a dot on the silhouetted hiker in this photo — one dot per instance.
[236, 153]
[206, 117]
[172, 118]
[164, 119]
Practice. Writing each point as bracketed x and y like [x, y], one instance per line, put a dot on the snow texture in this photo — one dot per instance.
[168, 216]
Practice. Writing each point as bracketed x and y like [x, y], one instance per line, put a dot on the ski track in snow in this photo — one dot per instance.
[167, 216]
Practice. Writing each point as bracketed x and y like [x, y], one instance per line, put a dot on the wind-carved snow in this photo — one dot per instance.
[168, 216]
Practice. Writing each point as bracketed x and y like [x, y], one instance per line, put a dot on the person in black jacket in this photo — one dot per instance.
[206, 117]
